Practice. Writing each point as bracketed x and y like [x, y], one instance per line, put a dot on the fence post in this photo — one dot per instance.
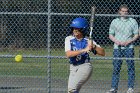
[48, 46]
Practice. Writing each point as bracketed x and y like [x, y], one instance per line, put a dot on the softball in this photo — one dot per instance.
[18, 58]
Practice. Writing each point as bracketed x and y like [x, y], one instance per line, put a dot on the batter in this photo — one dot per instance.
[77, 48]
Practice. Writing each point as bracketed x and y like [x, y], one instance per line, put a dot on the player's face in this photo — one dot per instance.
[77, 33]
[123, 11]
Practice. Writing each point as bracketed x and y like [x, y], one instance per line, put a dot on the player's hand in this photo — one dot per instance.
[87, 49]
[90, 43]
[125, 43]
[118, 42]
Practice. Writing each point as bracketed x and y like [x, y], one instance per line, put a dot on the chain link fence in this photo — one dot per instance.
[36, 29]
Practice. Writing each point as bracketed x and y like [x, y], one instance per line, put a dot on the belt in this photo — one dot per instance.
[79, 63]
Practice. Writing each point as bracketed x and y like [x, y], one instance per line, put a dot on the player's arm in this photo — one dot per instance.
[99, 50]
[135, 32]
[132, 40]
[112, 30]
[70, 53]
[112, 38]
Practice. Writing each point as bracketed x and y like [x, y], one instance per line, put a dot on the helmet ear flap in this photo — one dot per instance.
[84, 31]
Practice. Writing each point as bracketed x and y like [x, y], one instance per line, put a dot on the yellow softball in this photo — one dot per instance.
[18, 58]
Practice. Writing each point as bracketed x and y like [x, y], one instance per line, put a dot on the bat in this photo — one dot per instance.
[91, 27]
[91, 22]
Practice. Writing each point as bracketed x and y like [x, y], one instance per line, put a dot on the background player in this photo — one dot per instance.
[77, 49]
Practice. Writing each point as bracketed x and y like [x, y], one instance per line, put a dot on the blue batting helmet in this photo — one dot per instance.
[80, 23]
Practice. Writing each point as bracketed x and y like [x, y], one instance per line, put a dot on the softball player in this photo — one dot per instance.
[77, 50]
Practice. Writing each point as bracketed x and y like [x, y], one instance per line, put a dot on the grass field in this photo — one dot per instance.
[32, 66]
[31, 75]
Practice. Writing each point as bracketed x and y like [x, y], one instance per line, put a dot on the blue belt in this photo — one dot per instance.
[75, 64]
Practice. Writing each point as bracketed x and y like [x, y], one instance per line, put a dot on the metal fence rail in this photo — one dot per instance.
[64, 57]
